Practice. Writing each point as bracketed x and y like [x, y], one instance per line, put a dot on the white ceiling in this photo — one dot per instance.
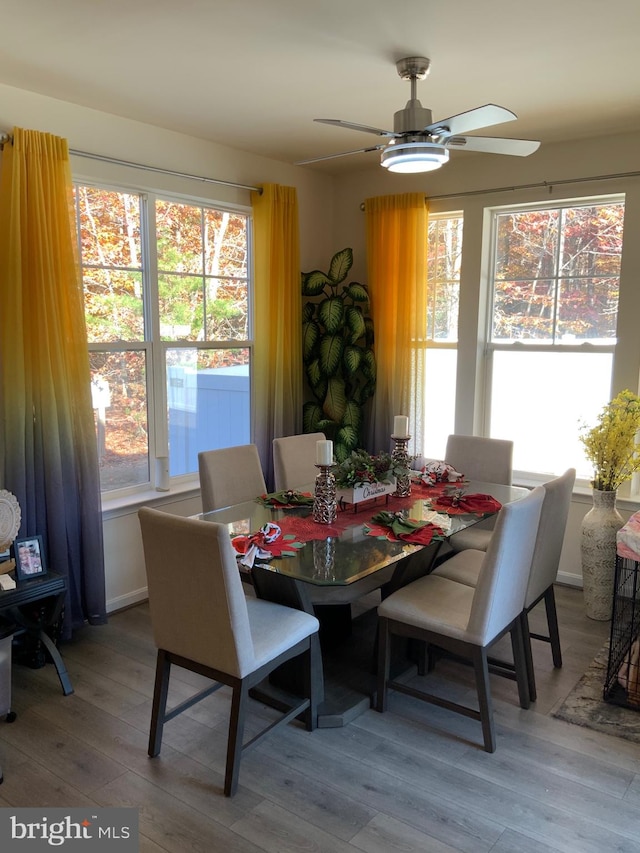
[253, 74]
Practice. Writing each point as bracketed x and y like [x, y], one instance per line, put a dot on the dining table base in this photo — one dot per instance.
[346, 682]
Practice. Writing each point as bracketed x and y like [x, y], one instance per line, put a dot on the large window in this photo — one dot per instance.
[444, 253]
[554, 303]
[167, 300]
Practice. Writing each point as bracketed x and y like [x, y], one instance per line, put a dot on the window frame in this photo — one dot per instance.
[154, 346]
[491, 347]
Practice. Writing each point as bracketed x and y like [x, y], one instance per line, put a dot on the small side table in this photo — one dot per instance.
[51, 586]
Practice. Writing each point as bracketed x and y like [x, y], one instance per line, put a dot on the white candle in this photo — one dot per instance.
[324, 452]
[401, 426]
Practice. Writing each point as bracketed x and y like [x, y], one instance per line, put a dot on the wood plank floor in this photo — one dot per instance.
[413, 779]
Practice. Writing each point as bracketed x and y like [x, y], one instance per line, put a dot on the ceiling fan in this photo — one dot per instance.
[418, 144]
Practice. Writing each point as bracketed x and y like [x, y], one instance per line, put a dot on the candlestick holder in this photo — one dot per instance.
[400, 456]
[325, 505]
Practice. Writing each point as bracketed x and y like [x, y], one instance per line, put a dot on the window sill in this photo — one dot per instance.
[584, 494]
[129, 504]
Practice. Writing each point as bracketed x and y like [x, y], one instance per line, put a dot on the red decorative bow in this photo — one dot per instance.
[268, 542]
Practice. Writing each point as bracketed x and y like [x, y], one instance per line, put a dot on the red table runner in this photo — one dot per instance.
[296, 529]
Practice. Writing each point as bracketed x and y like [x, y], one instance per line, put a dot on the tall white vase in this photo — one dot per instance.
[598, 547]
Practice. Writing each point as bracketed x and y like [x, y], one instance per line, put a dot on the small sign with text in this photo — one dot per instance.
[106, 830]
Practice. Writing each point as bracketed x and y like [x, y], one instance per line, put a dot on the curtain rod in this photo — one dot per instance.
[539, 185]
[4, 138]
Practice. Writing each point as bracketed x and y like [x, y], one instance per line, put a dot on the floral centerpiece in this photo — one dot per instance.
[361, 476]
[361, 467]
[610, 446]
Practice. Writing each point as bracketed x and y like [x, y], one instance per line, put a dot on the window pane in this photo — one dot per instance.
[227, 309]
[118, 387]
[444, 256]
[592, 240]
[588, 308]
[109, 228]
[538, 400]
[181, 307]
[208, 395]
[113, 305]
[555, 306]
[444, 249]
[523, 309]
[526, 244]
[225, 243]
[442, 311]
[440, 400]
[179, 235]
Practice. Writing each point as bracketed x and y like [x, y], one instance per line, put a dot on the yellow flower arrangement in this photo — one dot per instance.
[611, 446]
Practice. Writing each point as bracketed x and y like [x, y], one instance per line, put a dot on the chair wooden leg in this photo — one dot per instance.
[384, 655]
[159, 705]
[313, 668]
[520, 663]
[239, 700]
[481, 668]
[528, 656]
[552, 621]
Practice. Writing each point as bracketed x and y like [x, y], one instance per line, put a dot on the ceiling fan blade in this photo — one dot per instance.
[351, 126]
[342, 154]
[492, 145]
[471, 120]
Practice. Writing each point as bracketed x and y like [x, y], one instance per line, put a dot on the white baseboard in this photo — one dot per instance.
[569, 579]
[128, 600]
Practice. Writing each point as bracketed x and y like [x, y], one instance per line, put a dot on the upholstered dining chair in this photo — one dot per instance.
[544, 568]
[294, 460]
[202, 621]
[488, 460]
[467, 620]
[229, 476]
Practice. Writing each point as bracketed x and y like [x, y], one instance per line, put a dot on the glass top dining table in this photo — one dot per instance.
[344, 553]
[336, 566]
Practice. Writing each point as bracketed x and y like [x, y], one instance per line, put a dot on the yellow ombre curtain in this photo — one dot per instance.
[396, 228]
[49, 455]
[277, 363]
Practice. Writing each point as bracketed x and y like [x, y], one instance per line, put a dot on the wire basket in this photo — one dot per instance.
[622, 686]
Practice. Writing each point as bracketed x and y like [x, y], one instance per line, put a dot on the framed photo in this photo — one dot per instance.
[29, 557]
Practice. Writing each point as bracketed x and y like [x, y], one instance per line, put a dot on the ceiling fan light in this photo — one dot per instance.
[414, 157]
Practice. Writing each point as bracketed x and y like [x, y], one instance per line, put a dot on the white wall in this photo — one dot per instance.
[330, 219]
[123, 139]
